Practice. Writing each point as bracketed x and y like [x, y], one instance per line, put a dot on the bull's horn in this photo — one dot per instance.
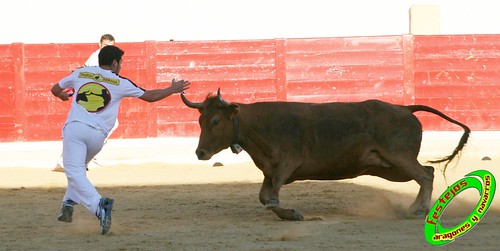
[218, 94]
[189, 103]
[220, 97]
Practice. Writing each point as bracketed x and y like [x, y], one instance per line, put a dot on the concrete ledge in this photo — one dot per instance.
[181, 150]
[116, 151]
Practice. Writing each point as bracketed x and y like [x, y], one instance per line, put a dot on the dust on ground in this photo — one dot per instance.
[162, 206]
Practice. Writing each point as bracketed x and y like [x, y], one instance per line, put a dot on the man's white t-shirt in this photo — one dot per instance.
[97, 96]
[93, 60]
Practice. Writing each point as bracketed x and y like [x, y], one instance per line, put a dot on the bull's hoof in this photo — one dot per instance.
[272, 204]
[296, 215]
[288, 214]
[421, 212]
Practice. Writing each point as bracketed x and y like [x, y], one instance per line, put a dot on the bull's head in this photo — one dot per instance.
[217, 124]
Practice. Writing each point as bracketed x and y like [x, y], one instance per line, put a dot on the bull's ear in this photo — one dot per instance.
[233, 110]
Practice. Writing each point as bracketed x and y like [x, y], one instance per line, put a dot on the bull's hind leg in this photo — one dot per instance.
[402, 169]
[423, 175]
[422, 202]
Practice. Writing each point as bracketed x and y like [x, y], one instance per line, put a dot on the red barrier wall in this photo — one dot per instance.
[457, 74]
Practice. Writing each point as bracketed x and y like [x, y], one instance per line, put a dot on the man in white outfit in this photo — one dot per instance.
[93, 60]
[97, 92]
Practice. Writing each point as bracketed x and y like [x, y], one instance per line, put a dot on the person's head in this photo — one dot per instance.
[106, 39]
[111, 57]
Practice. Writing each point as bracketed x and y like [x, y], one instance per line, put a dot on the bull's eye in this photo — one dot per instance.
[215, 122]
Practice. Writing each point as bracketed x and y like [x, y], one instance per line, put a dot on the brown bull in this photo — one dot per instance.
[291, 141]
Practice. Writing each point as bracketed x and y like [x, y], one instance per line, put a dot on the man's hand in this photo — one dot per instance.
[61, 93]
[159, 94]
[179, 86]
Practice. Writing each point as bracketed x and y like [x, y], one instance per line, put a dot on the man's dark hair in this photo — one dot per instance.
[110, 53]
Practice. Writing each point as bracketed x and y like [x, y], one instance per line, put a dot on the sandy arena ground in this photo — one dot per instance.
[165, 199]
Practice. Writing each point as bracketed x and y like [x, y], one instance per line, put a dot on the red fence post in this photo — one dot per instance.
[20, 89]
[408, 70]
[280, 64]
[151, 71]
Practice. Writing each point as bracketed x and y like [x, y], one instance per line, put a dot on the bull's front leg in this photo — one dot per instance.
[274, 197]
[265, 191]
[265, 195]
[273, 194]
[269, 192]
[269, 196]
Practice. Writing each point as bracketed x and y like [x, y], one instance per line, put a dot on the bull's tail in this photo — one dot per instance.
[463, 140]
